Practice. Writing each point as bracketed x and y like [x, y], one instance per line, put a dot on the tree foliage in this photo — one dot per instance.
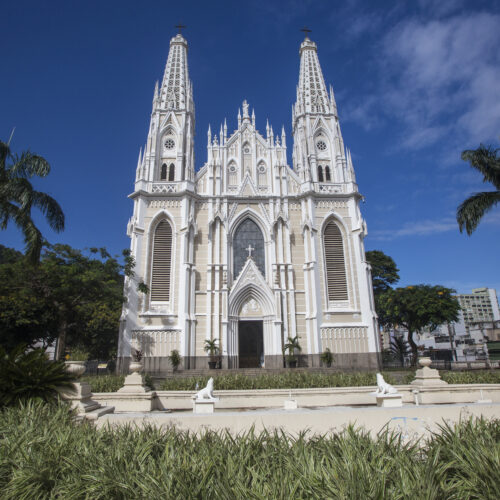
[17, 198]
[74, 297]
[384, 271]
[417, 307]
[486, 159]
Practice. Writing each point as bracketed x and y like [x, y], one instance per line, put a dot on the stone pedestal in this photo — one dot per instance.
[390, 400]
[134, 383]
[290, 404]
[426, 376]
[203, 406]
[80, 398]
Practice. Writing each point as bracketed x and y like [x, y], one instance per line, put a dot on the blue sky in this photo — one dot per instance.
[416, 82]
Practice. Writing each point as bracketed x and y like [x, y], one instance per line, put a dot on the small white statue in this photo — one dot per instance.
[383, 387]
[207, 392]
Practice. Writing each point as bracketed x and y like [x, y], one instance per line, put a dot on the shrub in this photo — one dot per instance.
[78, 461]
[472, 377]
[110, 383]
[288, 380]
[29, 374]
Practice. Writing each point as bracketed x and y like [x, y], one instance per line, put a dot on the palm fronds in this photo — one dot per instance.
[471, 211]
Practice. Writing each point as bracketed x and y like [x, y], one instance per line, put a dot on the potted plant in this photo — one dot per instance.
[327, 357]
[175, 358]
[136, 363]
[291, 347]
[75, 361]
[212, 349]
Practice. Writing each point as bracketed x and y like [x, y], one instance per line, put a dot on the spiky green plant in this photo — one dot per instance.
[29, 374]
[78, 461]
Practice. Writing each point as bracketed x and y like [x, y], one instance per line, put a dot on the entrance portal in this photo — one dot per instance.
[251, 343]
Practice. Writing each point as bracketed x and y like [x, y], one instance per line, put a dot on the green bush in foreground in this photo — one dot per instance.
[471, 377]
[29, 374]
[110, 383]
[43, 454]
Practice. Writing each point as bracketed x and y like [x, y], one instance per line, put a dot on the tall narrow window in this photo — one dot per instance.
[171, 173]
[320, 173]
[163, 174]
[328, 177]
[335, 263]
[162, 256]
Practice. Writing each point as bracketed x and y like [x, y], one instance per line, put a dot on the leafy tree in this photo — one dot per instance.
[9, 255]
[70, 296]
[487, 160]
[29, 374]
[419, 306]
[384, 271]
[17, 198]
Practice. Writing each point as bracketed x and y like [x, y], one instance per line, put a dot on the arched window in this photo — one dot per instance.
[171, 172]
[163, 174]
[320, 173]
[248, 235]
[334, 262]
[328, 177]
[162, 257]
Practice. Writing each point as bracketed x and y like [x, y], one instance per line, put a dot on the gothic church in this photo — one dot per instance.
[247, 250]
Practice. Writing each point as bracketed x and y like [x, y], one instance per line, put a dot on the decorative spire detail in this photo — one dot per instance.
[176, 88]
[312, 96]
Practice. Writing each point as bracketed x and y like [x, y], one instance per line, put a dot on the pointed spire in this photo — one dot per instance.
[253, 117]
[283, 136]
[267, 128]
[209, 134]
[139, 159]
[221, 135]
[312, 89]
[176, 88]
[225, 128]
[239, 118]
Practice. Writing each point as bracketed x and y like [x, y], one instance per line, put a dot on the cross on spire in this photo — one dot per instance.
[306, 31]
[250, 249]
[180, 27]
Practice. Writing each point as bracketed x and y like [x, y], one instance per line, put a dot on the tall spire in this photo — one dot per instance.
[176, 86]
[311, 92]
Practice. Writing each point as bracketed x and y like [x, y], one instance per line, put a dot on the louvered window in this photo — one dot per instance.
[171, 172]
[163, 176]
[162, 256]
[335, 263]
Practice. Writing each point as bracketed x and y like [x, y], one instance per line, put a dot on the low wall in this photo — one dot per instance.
[324, 397]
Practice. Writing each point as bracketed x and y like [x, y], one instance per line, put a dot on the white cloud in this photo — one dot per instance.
[429, 227]
[440, 79]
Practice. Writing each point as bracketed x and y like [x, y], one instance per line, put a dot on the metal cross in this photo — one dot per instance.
[250, 249]
[180, 27]
[306, 31]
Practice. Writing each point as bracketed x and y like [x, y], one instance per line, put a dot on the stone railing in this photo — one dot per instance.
[164, 187]
[330, 188]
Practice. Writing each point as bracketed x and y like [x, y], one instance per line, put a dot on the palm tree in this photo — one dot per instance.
[486, 160]
[17, 198]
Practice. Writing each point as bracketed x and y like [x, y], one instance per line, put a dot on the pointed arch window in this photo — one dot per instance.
[320, 173]
[171, 173]
[248, 234]
[336, 278]
[328, 176]
[162, 258]
[163, 173]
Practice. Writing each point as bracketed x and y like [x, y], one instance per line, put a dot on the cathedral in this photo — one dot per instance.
[247, 252]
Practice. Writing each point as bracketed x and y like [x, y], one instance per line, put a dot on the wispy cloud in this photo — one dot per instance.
[428, 227]
[440, 79]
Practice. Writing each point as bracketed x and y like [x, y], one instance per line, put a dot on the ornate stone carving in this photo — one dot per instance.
[163, 187]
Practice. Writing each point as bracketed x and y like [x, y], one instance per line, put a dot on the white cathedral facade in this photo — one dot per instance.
[247, 251]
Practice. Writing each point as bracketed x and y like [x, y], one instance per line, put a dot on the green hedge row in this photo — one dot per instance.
[43, 454]
[290, 380]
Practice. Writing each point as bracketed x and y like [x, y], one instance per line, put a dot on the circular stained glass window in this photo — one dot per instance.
[169, 144]
[232, 168]
[321, 145]
[262, 169]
